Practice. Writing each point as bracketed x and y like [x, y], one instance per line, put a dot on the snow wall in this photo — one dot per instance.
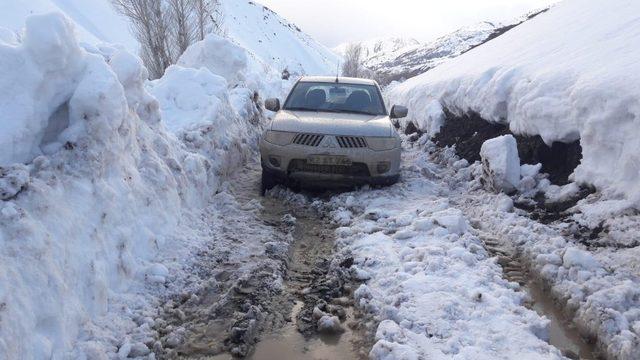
[93, 184]
[570, 73]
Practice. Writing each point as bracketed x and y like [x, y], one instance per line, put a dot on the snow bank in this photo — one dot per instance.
[235, 63]
[501, 163]
[191, 97]
[567, 74]
[96, 20]
[101, 190]
[40, 77]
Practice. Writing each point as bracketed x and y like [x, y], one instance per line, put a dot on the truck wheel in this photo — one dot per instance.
[268, 182]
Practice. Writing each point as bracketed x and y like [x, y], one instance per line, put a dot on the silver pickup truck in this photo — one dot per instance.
[331, 132]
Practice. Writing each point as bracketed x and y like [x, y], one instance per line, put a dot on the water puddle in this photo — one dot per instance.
[562, 334]
[289, 343]
[307, 273]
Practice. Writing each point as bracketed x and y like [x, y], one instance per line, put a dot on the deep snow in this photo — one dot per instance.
[570, 73]
[275, 41]
[105, 192]
[96, 20]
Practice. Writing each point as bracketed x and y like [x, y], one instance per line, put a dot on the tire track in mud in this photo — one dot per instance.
[278, 300]
[562, 334]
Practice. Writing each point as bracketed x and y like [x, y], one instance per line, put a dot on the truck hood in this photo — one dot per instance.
[332, 123]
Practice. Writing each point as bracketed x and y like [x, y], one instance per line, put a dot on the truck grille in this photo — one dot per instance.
[351, 142]
[356, 169]
[308, 139]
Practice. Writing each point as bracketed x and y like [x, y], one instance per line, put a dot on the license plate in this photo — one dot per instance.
[329, 160]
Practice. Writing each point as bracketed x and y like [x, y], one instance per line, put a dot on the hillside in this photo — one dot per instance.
[380, 46]
[403, 58]
[544, 89]
[271, 39]
[276, 41]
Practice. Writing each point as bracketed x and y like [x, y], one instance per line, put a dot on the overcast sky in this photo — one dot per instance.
[336, 21]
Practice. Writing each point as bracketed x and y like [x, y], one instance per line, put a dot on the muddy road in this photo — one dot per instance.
[292, 297]
[273, 310]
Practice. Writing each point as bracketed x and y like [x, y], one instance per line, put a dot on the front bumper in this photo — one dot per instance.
[292, 165]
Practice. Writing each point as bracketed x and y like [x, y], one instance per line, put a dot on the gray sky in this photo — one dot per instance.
[336, 21]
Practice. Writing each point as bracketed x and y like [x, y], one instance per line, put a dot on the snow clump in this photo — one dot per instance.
[501, 164]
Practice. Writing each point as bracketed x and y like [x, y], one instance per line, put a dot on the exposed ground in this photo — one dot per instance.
[260, 305]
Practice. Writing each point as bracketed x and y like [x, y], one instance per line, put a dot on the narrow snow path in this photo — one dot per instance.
[252, 292]
[422, 257]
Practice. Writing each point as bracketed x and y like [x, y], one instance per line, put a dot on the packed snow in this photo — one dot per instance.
[428, 282]
[597, 287]
[565, 75]
[501, 163]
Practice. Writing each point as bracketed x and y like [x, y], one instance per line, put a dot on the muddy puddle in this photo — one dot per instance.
[289, 343]
[310, 283]
[562, 334]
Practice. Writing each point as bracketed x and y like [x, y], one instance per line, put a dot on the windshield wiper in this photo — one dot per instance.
[337, 111]
[341, 111]
[301, 109]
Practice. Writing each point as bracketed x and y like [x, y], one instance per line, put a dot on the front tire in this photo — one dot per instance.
[268, 182]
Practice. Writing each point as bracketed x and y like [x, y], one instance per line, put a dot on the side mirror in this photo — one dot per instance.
[398, 112]
[272, 104]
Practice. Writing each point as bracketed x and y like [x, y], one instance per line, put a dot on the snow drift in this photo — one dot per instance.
[235, 63]
[96, 20]
[93, 186]
[565, 75]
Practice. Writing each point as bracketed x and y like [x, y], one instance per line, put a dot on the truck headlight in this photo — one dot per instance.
[383, 143]
[281, 138]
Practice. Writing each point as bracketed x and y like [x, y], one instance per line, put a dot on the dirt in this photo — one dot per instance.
[469, 131]
[540, 209]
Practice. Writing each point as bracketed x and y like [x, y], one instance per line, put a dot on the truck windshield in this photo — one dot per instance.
[335, 97]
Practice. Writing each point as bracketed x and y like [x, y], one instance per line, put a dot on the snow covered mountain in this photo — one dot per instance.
[400, 58]
[413, 60]
[276, 41]
[379, 46]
